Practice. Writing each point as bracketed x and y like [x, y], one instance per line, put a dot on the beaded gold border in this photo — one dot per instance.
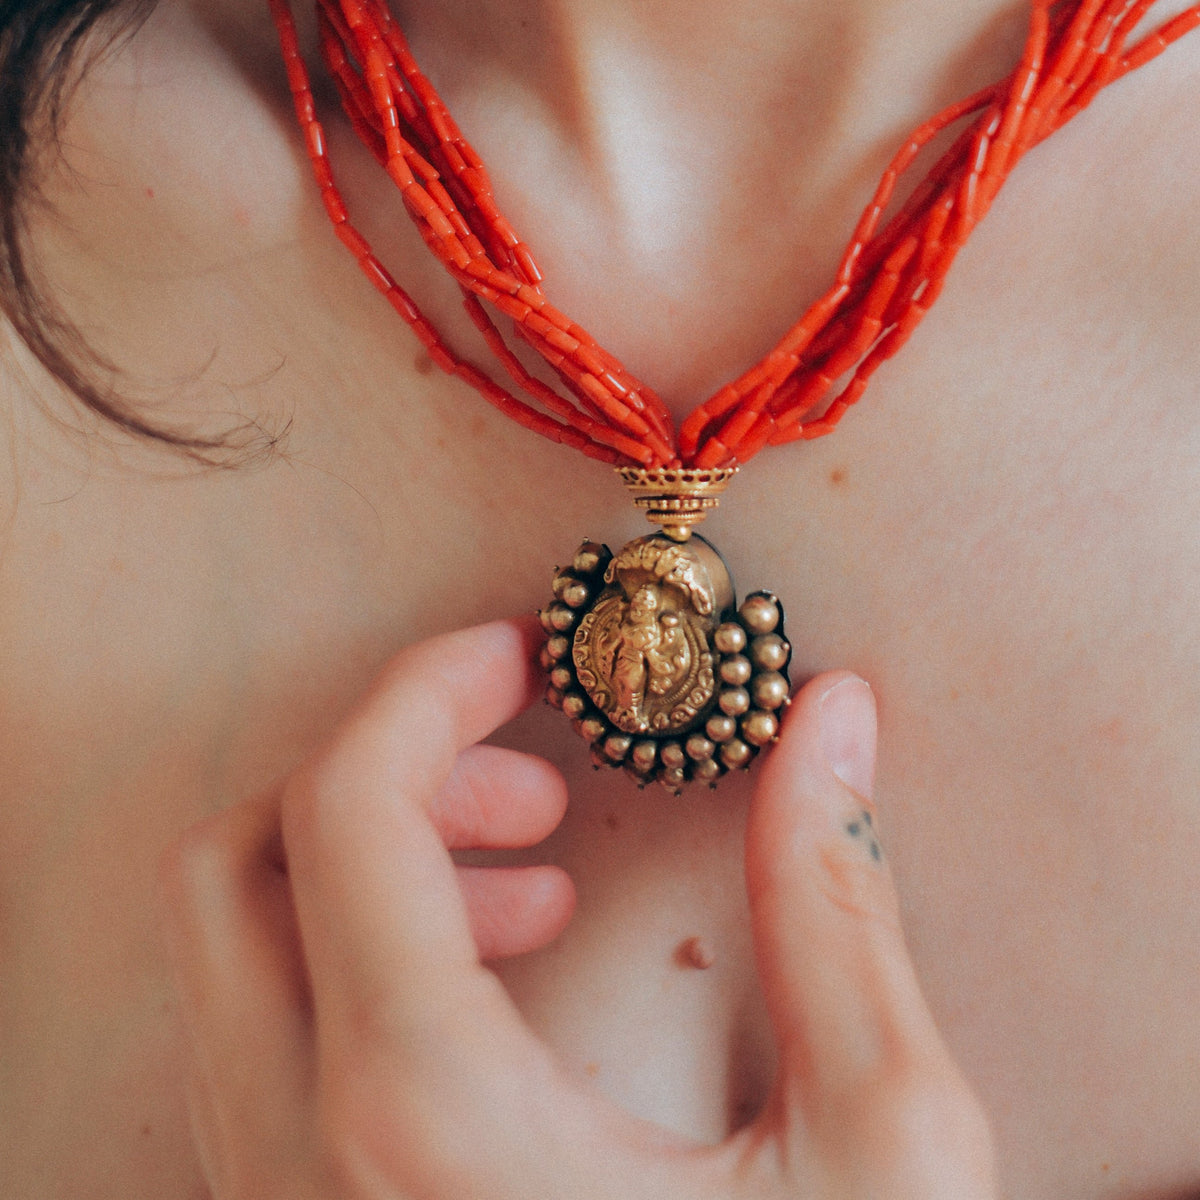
[751, 654]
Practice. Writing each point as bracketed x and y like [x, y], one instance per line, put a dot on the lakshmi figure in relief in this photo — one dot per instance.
[642, 653]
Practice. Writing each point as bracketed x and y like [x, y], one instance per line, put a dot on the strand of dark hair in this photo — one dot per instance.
[41, 42]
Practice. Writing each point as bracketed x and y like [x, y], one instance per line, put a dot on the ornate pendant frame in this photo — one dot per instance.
[649, 655]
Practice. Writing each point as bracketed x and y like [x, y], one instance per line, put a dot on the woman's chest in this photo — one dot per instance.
[1021, 603]
[1000, 540]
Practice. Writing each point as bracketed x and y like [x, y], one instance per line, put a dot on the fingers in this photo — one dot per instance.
[369, 906]
[514, 910]
[433, 700]
[386, 934]
[866, 1082]
[842, 991]
[497, 798]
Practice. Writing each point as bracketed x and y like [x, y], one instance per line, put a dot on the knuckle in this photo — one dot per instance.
[462, 804]
[314, 796]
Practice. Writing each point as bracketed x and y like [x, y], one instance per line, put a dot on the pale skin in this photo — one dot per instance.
[1001, 539]
[348, 1043]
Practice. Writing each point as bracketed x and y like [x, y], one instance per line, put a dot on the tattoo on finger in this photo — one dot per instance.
[862, 830]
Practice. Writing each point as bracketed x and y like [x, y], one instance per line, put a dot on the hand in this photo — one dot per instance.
[348, 1044]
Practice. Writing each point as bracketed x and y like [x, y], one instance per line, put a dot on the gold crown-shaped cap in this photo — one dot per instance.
[677, 498]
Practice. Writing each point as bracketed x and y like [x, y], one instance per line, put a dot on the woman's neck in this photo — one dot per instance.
[806, 96]
[625, 138]
[830, 64]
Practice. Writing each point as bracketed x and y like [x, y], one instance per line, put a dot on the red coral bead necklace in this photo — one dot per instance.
[648, 652]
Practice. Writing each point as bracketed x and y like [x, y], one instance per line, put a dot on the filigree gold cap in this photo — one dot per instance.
[676, 498]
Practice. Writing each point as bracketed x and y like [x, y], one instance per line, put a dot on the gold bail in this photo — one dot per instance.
[676, 497]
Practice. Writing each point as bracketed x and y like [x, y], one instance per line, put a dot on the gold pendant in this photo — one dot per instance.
[648, 652]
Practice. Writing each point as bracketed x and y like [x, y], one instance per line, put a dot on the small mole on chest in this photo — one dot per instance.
[695, 953]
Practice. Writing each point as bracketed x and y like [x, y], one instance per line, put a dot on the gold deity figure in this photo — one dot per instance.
[643, 652]
[651, 655]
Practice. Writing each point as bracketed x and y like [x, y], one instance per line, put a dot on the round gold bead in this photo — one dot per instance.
[769, 690]
[616, 746]
[576, 596]
[733, 701]
[561, 618]
[730, 638]
[554, 696]
[698, 747]
[671, 755]
[593, 728]
[587, 558]
[574, 705]
[707, 771]
[672, 778]
[560, 585]
[643, 756]
[720, 728]
[598, 757]
[770, 652]
[760, 613]
[759, 728]
[639, 777]
[735, 670]
[735, 754]
[546, 659]
[558, 647]
[561, 677]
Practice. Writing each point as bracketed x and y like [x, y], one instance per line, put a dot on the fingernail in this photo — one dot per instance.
[848, 733]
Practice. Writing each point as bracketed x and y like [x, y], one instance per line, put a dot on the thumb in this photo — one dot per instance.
[841, 990]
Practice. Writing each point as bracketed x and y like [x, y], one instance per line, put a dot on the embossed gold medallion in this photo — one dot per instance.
[648, 652]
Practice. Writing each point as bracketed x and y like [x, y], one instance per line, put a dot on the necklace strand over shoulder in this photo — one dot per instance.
[647, 651]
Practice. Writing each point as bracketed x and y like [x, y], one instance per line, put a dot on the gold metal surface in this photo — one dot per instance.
[657, 668]
[677, 498]
[642, 651]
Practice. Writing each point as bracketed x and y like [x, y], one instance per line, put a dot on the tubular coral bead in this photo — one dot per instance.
[453, 251]
[306, 109]
[595, 389]
[334, 206]
[886, 281]
[376, 272]
[399, 299]
[397, 167]
[526, 262]
[586, 354]
[322, 174]
[314, 137]
[531, 296]
[614, 385]
[536, 323]
[353, 240]
[560, 340]
[297, 75]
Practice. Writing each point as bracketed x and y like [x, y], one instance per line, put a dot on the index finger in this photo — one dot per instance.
[437, 697]
[385, 931]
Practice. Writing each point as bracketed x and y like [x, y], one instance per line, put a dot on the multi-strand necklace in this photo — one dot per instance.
[647, 650]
